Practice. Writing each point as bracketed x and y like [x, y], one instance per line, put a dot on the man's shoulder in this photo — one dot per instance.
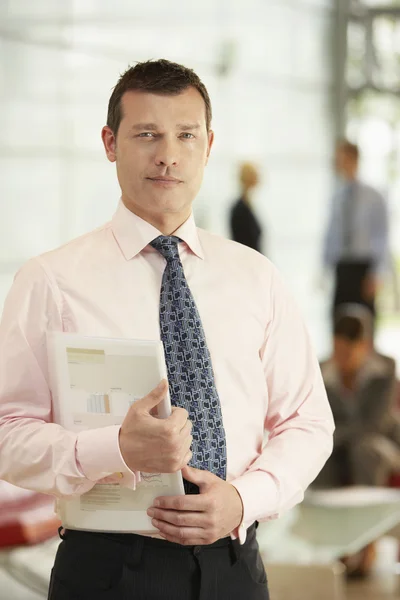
[328, 369]
[69, 255]
[384, 365]
[370, 191]
[238, 206]
[218, 246]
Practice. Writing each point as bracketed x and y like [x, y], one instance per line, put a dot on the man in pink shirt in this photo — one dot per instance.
[251, 426]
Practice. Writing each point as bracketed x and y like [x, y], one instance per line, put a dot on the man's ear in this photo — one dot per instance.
[210, 143]
[110, 143]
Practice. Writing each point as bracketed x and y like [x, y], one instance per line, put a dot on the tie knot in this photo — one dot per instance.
[167, 245]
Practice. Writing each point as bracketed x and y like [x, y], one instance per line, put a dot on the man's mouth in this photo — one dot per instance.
[164, 180]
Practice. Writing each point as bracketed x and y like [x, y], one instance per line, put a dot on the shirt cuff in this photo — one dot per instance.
[260, 499]
[100, 459]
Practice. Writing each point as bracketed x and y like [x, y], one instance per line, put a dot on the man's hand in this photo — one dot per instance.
[200, 518]
[154, 445]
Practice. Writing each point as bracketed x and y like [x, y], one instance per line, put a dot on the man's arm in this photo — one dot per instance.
[299, 420]
[34, 452]
[379, 399]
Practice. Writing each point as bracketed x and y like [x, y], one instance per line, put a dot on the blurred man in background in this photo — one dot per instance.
[361, 387]
[245, 227]
[356, 240]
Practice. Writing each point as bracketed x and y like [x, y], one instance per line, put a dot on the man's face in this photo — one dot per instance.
[249, 176]
[349, 356]
[161, 149]
[345, 163]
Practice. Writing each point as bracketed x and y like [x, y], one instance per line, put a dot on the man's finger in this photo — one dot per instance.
[182, 535]
[149, 402]
[185, 449]
[187, 428]
[198, 476]
[178, 417]
[188, 457]
[180, 519]
[190, 502]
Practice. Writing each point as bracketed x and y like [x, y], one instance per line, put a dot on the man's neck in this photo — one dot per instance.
[351, 177]
[246, 197]
[349, 381]
[166, 223]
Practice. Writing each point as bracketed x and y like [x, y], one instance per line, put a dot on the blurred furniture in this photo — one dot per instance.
[25, 517]
[303, 547]
[11, 589]
[342, 521]
[31, 566]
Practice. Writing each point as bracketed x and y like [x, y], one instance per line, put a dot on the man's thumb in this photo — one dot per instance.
[154, 397]
[198, 476]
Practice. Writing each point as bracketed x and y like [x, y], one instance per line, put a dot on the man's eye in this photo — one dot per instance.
[187, 136]
[146, 134]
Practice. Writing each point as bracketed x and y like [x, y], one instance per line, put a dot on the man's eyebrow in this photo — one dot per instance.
[154, 127]
[144, 126]
[188, 126]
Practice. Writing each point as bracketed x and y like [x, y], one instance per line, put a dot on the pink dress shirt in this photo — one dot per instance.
[107, 283]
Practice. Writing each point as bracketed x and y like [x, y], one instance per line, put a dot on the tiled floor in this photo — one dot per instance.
[12, 590]
[383, 587]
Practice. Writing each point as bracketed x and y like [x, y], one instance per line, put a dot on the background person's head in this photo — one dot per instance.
[347, 158]
[248, 176]
[158, 133]
[352, 342]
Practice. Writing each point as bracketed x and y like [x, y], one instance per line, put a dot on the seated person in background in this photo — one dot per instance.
[361, 388]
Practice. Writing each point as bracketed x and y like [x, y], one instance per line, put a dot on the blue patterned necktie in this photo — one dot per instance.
[190, 373]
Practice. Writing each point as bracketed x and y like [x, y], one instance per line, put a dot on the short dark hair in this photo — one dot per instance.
[349, 148]
[351, 328]
[158, 77]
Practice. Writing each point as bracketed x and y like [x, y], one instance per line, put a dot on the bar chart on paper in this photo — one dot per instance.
[98, 403]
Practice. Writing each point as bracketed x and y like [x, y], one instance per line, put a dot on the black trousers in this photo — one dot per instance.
[99, 566]
[349, 280]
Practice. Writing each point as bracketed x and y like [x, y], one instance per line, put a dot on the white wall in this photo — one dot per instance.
[58, 63]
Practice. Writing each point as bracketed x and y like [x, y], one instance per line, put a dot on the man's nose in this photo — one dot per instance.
[166, 153]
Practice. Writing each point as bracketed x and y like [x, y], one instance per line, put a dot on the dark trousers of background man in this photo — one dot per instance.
[349, 282]
[99, 566]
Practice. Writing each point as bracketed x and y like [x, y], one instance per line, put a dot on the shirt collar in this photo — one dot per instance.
[133, 234]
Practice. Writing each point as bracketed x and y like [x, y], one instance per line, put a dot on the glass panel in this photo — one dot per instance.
[356, 75]
[386, 40]
[311, 52]
[30, 211]
[373, 120]
[378, 3]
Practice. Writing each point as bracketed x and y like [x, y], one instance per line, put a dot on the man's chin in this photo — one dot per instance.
[168, 204]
